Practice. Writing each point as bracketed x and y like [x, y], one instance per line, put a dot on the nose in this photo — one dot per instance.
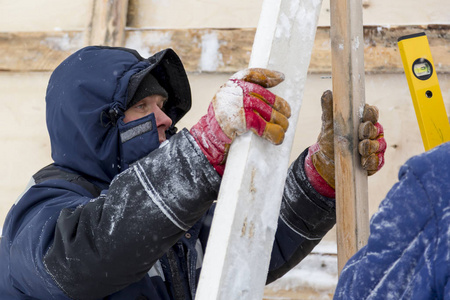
[163, 123]
[162, 119]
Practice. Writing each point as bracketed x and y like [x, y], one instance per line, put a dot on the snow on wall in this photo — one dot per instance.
[211, 57]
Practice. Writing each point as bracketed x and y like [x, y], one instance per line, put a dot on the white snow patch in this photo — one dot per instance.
[356, 43]
[211, 57]
[63, 43]
[134, 41]
[155, 39]
[317, 271]
[361, 111]
[284, 26]
[228, 105]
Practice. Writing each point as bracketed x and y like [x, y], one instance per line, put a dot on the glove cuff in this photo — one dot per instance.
[317, 181]
[212, 140]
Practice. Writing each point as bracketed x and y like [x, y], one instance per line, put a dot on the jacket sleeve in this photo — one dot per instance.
[305, 218]
[112, 241]
[407, 254]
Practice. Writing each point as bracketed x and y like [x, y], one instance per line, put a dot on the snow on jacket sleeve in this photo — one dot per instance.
[407, 255]
[305, 218]
[112, 241]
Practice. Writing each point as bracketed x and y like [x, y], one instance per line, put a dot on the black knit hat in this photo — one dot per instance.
[169, 72]
[147, 87]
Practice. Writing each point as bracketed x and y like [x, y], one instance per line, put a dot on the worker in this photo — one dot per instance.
[407, 254]
[124, 210]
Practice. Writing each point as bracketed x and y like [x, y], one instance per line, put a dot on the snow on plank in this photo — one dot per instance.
[240, 243]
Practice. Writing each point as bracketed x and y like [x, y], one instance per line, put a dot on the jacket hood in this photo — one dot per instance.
[87, 95]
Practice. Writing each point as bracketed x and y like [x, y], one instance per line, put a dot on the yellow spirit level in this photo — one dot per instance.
[425, 91]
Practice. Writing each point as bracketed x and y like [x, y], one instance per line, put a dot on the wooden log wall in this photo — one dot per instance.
[43, 51]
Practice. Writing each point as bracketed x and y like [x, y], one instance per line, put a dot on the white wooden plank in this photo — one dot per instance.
[238, 253]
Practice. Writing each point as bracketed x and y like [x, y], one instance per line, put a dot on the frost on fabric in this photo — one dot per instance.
[240, 74]
[184, 186]
[118, 208]
[228, 104]
[168, 190]
[155, 197]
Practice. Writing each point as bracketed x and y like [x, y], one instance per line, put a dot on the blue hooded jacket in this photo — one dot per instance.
[100, 76]
[408, 252]
[117, 216]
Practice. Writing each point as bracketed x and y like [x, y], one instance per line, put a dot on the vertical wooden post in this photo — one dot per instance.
[347, 47]
[107, 24]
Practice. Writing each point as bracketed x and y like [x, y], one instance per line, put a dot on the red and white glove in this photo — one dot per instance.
[319, 163]
[243, 103]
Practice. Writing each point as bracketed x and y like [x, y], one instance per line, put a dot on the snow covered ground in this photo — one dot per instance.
[314, 278]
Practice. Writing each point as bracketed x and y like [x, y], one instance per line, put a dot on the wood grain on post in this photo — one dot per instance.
[107, 25]
[347, 48]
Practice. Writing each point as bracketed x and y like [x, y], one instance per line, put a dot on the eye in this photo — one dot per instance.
[140, 106]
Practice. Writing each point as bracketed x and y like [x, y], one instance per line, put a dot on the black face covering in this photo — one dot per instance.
[138, 138]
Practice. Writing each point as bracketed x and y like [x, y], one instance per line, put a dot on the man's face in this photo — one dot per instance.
[148, 105]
